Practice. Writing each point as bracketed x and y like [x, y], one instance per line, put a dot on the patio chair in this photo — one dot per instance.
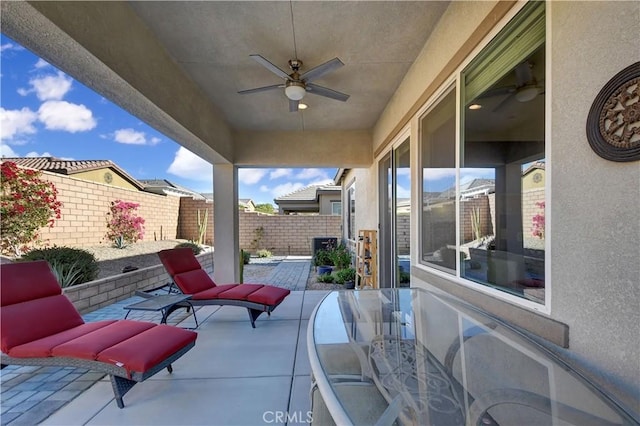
[39, 326]
[185, 271]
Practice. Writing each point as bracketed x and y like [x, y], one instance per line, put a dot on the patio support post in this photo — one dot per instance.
[226, 219]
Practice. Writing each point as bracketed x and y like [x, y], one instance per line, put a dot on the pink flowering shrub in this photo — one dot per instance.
[537, 230]
[123, 225]
[27, 204]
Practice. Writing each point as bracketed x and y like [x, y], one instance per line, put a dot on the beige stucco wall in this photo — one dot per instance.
[592, 222]
[99, 177]
[594, 229]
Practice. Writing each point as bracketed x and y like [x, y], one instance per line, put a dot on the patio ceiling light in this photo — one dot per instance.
[302, 106]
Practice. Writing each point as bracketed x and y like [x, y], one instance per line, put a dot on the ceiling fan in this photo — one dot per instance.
[296, 85]
[525, 90]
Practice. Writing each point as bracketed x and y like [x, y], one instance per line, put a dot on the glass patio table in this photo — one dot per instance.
[413, 357]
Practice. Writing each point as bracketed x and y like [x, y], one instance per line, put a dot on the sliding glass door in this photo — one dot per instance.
[395, 212]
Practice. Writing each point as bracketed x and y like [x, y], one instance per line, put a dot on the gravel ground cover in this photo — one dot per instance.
[143, 254]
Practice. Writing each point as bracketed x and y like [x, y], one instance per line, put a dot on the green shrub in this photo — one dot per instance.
[193, 246]
[345, 275]
[340, 257]
[72, 266]
[322, 258]
[263, 253]
[246, 257]
[325, 278]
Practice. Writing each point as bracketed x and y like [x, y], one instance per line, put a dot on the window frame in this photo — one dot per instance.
[456, 78]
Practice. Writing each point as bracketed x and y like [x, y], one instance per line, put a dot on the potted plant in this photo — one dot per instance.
[346, 277]
[323, 262]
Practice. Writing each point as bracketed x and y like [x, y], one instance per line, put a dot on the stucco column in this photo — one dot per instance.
[226, 233]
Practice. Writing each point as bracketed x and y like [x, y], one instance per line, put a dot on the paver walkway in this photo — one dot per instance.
[31, 394]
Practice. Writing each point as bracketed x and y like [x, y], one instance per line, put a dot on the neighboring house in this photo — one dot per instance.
[99, 171]
[247, 204]
[165, 187]
[314, 199]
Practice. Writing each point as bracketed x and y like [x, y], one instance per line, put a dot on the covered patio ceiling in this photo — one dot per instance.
[179, 67]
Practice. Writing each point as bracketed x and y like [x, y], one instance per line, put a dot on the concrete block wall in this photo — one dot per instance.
[188, 219]
[286, 235]
[480, 203]
[530, 209]
[92, 295]
[85, 206]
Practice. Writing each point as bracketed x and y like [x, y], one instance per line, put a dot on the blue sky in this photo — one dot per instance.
[45, 112]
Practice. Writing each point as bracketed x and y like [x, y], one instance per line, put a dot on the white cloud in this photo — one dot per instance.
[188, 165]
[50, 87]
[278, 173]
[133, 137]
[41, 64]
[435, 174]
[10, 46]
[7, 151]
[312, 173]
[325, 181]
[403, 192]
[264, 188]
[35, 154]
[16, 123]
[62, 115]
[251, 176]
[286, 188]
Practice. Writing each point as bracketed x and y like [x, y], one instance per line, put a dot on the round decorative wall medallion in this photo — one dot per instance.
[108, 177]
[613, 124]
[537, 178]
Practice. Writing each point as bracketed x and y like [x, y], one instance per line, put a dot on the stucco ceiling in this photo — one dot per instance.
[211, 42]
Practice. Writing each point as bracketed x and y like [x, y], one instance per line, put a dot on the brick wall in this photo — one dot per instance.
[97, 294]
[86, 204]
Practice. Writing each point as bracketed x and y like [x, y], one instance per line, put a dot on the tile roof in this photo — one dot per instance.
[70, 167]
[309, 193]
[159, 185]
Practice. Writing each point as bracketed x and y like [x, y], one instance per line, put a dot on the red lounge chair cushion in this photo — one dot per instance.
[213, 293]
[42, 347]
[240, 292]
[269, 295]
[147, 349]
[28, 321]
[91, 344]
[179, 260]
[22, 282]
[193, 281]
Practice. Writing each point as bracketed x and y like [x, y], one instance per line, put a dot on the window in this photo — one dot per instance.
[336, 208]
[496, 209]
[438, 153]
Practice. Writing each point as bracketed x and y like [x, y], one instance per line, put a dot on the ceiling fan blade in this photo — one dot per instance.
[505, 102]
[268, 65]
[261, 89]
[326, 92]
[497, 91]
[293, 105]
[320, 70]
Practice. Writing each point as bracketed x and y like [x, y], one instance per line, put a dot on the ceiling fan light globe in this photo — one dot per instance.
[295, 92]
[527, 93]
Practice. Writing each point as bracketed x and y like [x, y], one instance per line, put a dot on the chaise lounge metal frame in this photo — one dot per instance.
[187, 274]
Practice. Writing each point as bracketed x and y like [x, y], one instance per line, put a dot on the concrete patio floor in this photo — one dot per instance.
[235, 375]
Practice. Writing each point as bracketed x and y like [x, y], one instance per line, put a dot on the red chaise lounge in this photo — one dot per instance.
[40, 326]
[185, 270]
